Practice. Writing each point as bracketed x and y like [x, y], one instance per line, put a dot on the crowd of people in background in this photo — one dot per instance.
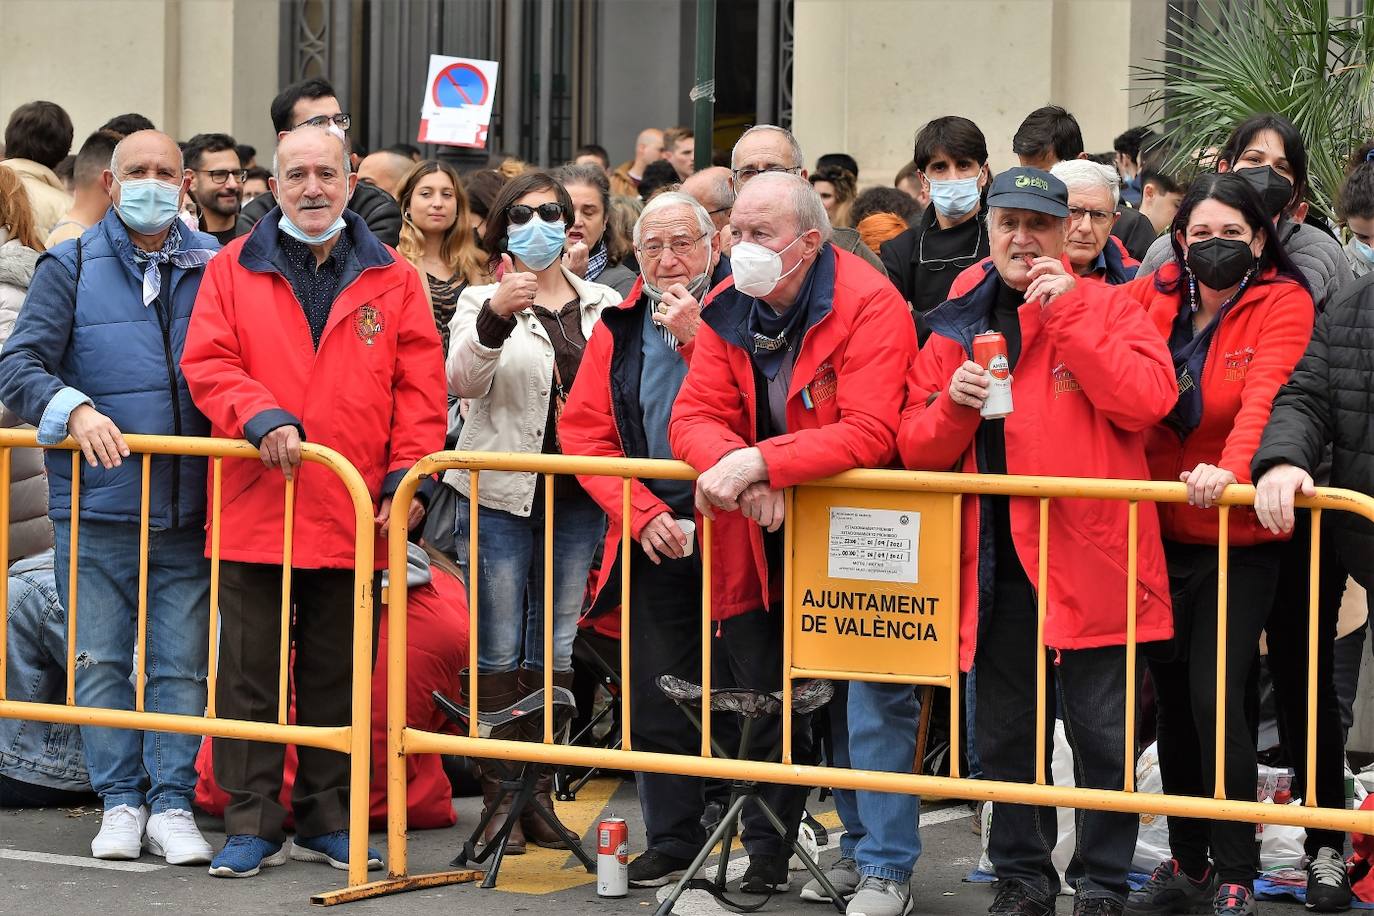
[767, 322]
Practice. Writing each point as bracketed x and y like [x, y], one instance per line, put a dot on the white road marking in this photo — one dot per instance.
[23, 855]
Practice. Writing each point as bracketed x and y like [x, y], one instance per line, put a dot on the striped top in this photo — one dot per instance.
[444, 296]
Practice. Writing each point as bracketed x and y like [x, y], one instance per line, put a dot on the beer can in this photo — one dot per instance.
[612, 857]
[990, 352]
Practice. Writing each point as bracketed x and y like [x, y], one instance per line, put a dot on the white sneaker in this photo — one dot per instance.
[880, 897]
[173, 834]
[121, 833]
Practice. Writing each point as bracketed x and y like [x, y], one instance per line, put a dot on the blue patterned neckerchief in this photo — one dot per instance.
[172, 253]
[598, 260]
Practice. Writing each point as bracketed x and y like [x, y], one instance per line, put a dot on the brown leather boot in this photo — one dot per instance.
[496, 692]
[540, 833]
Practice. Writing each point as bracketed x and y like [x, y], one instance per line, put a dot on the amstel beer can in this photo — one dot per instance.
[990, 352]
[612, 857]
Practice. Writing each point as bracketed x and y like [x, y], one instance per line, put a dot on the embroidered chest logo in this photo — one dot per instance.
[368, 324]
[1237, 363]
[822, 387]
[1064, 382]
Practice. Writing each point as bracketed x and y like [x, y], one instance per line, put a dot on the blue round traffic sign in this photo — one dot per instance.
[458, 85]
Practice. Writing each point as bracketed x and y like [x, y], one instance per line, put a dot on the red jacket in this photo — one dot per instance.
[603, 417]
[374, 390]
[845, 400]
[1258, 342]
[1092, 378]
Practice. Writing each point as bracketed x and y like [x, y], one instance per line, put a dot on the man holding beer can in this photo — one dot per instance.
[1089, 376]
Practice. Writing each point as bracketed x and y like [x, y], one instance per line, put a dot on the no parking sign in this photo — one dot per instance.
[457, 102]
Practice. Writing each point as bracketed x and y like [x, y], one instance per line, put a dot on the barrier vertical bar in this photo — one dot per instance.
[473, 563]
[360, 713]
[1223, 590]
[955, 700]
[549, 613]
[397, 607]
[1313, 609]
[74, 547]
[788, 539]
[626, 517]
[706, 536]
[1041, 601]
[1132, 596]
[285, 652]
[4, 579]
[141, 683]
[217, 472]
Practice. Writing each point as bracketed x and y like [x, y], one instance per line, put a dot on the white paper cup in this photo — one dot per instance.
[689, 528]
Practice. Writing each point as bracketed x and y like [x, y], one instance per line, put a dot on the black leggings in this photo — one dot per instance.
[16, 794]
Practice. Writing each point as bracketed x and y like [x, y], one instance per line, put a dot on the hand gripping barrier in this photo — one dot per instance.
[937, 496]
[352, 739]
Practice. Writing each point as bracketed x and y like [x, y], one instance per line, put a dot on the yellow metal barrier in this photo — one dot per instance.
[403, 740]
[353, 739]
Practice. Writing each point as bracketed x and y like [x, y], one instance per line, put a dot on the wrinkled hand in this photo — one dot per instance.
[516, 290]
[575, 258]
[720, 486]
[663, 536]
[1205, 484]
[969, 385]
[281, 448]
[101, 441]
[679, 313]
[1049, 281]
[761, 503]
[413, 517]
[1275, 493]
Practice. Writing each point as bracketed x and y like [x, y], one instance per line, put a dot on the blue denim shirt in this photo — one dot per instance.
[39, 753]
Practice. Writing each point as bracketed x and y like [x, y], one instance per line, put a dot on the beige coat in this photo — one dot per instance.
[47, 194]
[507, 389]
[30, 529]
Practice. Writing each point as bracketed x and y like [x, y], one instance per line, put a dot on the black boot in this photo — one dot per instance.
[496, 692]
[535, 827]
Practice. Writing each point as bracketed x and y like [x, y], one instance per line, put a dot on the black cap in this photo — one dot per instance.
[1029, 189]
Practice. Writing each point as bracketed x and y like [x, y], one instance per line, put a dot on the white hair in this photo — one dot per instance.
[800, 198]
[1086, 175]
[670, 199]
[343, 147]
[114, 154]
[797, 160]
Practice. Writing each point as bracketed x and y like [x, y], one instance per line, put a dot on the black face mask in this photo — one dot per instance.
[1274, 190]
[1219, 263]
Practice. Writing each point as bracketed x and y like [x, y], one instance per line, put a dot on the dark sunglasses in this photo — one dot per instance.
[519, 214]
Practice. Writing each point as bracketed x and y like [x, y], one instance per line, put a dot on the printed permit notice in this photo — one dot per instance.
[880, 545]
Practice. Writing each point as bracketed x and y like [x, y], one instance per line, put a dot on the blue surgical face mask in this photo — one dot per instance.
[299, 234]
[148, 206]
[1364, 251]
[536, 243]
[954, 197]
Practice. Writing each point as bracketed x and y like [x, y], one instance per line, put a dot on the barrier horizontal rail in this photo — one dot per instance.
[403, 740]
[353, 739]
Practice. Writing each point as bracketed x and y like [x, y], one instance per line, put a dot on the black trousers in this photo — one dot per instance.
[321, 681]
[17, 794]
[1185, 690]
[746, 651]
[1288, 651]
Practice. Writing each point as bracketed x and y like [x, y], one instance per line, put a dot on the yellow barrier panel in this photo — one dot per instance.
[353, 739]
[937, 496]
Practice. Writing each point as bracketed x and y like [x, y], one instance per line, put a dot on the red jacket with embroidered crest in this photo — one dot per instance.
[845, 400]
[1258, 342]
[1093, 376]
[373, 391]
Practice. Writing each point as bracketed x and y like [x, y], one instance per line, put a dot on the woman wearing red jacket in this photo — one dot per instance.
[1237, 318]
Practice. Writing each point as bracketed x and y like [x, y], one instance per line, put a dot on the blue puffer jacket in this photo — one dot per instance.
[84, 327]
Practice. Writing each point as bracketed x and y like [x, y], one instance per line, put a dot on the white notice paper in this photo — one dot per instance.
[880, 545]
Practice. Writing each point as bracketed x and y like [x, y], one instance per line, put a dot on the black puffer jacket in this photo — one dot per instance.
[377, 208]
[1330, 400]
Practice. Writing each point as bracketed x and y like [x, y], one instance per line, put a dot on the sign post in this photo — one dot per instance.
[459, 94]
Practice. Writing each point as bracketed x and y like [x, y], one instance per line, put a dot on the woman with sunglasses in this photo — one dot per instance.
[515, 348]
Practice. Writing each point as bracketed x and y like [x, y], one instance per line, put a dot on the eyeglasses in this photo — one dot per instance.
[341, 120]
[519, 214]
[652, 251]
[220, 176]
[746, 174]
[1098, 217]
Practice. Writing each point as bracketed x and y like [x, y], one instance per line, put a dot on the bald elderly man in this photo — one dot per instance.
[648, 149]
[712, 189]
[385, 170]
[94, 355]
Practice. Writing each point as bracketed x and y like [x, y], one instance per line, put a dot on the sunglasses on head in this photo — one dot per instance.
[519, 214]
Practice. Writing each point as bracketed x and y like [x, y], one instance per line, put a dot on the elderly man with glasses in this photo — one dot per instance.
[1094, 207]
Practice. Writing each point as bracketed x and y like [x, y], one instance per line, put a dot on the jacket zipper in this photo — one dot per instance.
[165, 321]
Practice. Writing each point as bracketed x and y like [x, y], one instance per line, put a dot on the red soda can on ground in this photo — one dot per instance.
[990, 352]
[612, 857]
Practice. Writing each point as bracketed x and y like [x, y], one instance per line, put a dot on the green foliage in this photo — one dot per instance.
[1286, 56]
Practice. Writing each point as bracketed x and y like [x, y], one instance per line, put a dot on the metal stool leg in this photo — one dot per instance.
[703, 854]
[801, 853]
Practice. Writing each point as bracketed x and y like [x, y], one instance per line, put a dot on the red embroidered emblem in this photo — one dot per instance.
[1237, 363]
[368, 324]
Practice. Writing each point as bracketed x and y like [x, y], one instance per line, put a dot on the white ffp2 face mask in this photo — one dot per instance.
[758, 270]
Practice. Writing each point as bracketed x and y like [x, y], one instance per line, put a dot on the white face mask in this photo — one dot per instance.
[758, 270]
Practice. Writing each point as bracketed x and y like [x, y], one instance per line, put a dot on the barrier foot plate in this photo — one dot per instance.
[394, 886]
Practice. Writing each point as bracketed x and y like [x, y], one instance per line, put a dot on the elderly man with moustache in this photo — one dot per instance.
[307, 329]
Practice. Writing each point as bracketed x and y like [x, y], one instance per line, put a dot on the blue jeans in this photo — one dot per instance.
[846, 805]
[132, 767]
[882, 737]
[510, 581]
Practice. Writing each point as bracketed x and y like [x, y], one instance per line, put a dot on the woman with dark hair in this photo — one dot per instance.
[515, 349]
[595, 250]
[1237, 317]
[1355, 206]
[482, 187]
[1268, 152]
[837, 188]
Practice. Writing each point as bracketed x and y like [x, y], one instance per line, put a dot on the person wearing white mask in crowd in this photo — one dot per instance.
[1355, 204]
[952, 164]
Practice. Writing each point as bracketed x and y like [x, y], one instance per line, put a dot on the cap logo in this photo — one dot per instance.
[1030, 181]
